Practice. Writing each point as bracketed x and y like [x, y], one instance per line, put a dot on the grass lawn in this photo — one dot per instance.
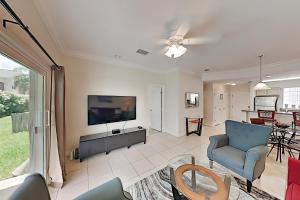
[14, 148]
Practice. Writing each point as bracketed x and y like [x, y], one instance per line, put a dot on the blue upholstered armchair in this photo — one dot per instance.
[243, 149]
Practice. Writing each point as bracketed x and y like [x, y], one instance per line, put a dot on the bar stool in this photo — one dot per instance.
[296, 123]
[257, 121]
[267, 115]
[293, 144]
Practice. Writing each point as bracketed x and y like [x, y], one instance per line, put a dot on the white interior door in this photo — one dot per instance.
[240, 100]
[155, 108]
[218, 110]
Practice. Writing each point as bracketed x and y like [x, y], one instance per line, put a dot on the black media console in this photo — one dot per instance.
[105, 142]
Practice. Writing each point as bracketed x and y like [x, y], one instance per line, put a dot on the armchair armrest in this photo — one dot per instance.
[110, 190]
[216, 141]
[34, 187]
[293, 171]
[255, 162]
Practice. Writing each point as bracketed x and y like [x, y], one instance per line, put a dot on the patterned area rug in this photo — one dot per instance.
[155, 187]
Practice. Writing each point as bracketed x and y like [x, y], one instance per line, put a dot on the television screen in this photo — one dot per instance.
[107, 109]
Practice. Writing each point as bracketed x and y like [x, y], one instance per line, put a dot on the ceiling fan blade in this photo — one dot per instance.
[182, 30]
[163, 42]
[201, 40]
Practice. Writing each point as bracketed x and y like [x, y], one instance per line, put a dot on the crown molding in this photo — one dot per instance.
[32, 56]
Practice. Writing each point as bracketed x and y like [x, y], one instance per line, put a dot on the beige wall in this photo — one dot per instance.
[86, 77]
[172, 102]
[177, 84]
[189, 83]
[207, 103]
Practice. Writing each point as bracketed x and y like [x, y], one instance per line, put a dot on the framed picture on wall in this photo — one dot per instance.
[191, 99]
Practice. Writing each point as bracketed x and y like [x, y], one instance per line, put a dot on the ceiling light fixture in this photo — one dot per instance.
[268, 76]
[232, 84]
[260, 85]
[175, 51]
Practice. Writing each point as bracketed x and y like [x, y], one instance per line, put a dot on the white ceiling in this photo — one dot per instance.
[103, 29]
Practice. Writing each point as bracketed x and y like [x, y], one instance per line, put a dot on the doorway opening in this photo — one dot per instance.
[156, 109]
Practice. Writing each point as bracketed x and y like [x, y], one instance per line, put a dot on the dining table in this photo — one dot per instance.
[284, 137]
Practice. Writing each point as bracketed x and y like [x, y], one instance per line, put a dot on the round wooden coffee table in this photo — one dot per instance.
[220, 194]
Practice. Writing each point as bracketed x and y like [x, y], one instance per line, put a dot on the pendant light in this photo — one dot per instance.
[260, 85]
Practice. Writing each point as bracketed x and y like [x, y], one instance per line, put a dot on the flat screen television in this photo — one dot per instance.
[107, 109]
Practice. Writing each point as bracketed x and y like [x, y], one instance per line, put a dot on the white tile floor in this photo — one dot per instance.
[142, 160]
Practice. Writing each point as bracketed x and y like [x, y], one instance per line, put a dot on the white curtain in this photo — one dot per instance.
[55, 169]
[36, 123]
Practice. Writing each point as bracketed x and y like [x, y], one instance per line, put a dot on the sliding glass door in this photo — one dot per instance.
[22, 111]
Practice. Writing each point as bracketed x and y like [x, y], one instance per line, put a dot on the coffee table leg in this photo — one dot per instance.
[227, 182]
[193, 175]
[176, 194]
[211, 163]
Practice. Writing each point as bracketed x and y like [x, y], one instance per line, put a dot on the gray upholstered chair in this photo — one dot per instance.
[242, 149]
[34, 188]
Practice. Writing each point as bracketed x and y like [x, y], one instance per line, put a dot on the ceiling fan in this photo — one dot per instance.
[176, 43]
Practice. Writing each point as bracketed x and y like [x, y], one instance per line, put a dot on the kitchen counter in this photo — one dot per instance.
[277, 113]
[285, 117]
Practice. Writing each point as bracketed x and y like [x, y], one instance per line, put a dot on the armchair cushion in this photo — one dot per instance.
[216, 141]
[244, 136]
[230, 157]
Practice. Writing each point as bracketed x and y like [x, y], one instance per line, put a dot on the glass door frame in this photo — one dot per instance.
[17, 53]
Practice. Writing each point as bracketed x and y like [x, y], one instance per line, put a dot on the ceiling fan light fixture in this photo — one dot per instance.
[175, 51]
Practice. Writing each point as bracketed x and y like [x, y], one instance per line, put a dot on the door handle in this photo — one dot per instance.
[38, 129]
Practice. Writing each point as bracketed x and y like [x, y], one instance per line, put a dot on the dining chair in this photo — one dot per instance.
[296, 117]
[295, 127]
[267, 115]
[296, 123]
[257, 121]
[293, 144]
